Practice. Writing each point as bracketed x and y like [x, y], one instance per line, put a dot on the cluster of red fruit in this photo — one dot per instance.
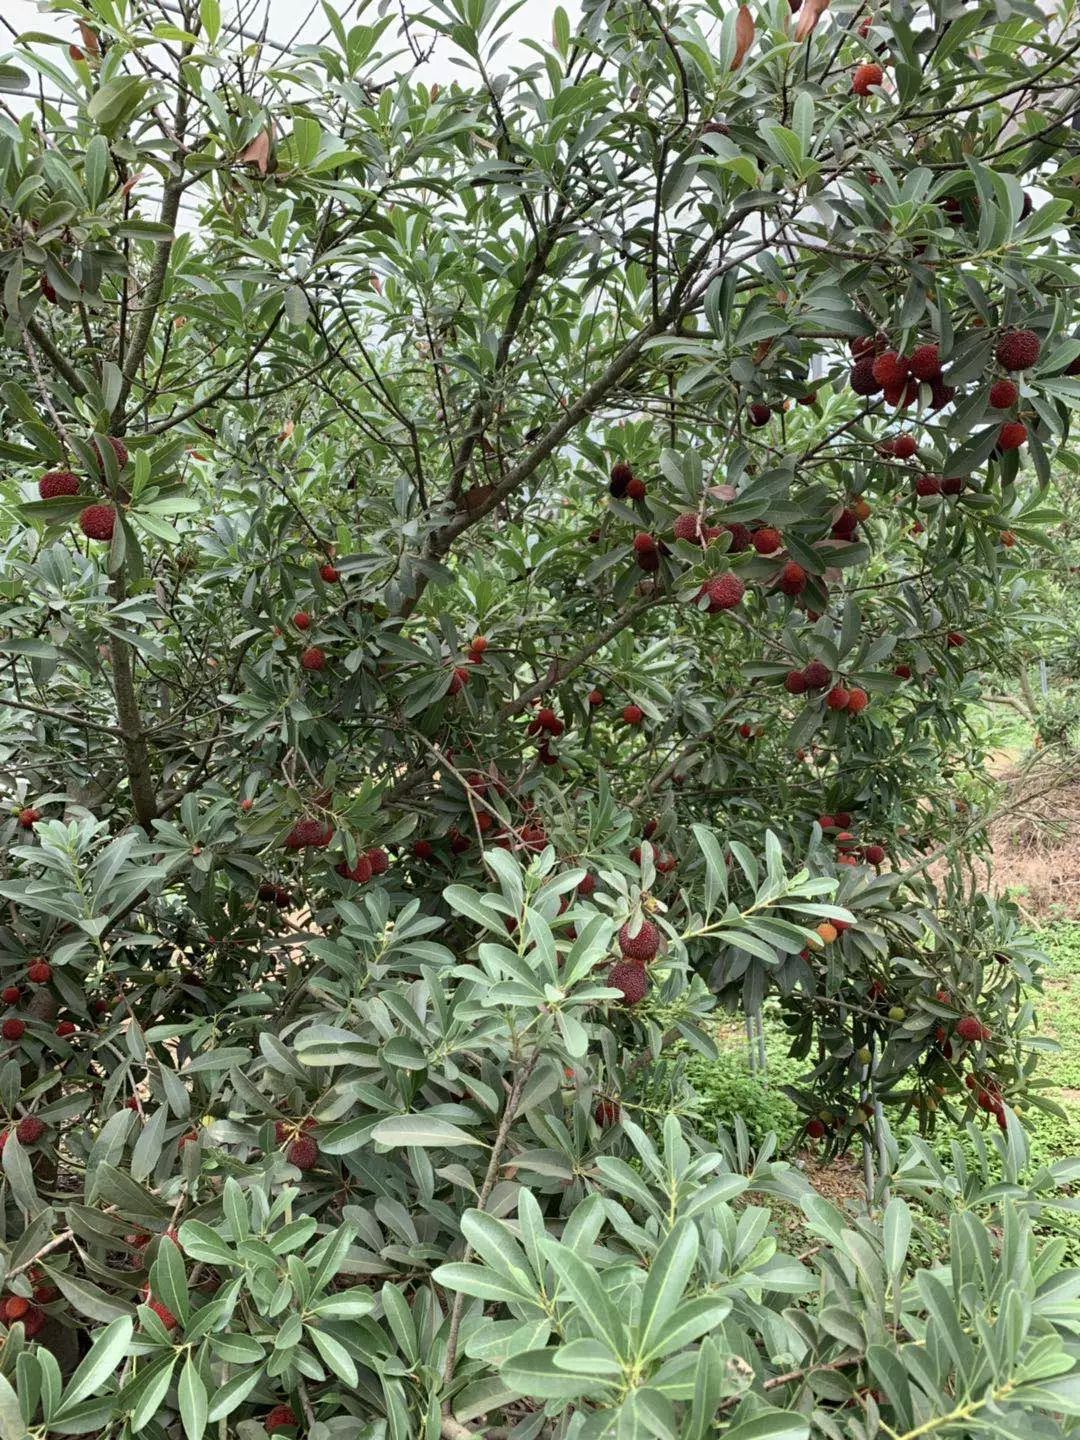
[97, 522]
[637, 950]
[372, 862]
[624, 483]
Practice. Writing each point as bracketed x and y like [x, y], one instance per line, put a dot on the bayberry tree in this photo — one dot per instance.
[493, 568]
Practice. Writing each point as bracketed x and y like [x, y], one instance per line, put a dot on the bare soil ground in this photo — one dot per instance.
[1036, 838]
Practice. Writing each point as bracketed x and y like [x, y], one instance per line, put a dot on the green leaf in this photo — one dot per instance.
[101, 1361]
[116, 100]
[191, 1393]
[334, 1353]
[420, 1130]
[581, 1284]
[668, 1277]
[770, 1425]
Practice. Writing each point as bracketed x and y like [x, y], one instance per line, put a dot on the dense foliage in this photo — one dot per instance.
[490, 570]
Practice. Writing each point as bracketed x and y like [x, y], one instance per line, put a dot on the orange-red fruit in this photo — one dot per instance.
[478, 644]
[925, 362]
[636, 489]
[857, 700]
[58, 482]
[767, 541]
[633, 714]
[596, 697]
[972, 1029]
[329, 573]
[39, 973]
[313, 658]
[164, 1314]
[13, 1029]
[302, 620]
[1004, 394]
[303, 1153]
[1012, 435]
[644, 544]
[837, 698]
[15, 1308]
[641, 947]
[723, 592]
[792, 579]
[458, 680]
[1019, 350]
[30, 1130]
[865, 77]
[904, 447]
[874, 854]
[279, 1418]
[98, 522]
[1008, 539]
[629, 977]
[29, 817]
[891, 368]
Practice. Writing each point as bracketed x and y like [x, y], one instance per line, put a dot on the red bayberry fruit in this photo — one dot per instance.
[379, 860]
[865, 78]
[607, 1113]
[65, 1028]
[478, 644]
[15, 1308]
[1008, 539]
[359, 874]
[11, 995]
[29, 1130]
[118, 448]
[644, 544]
[313, 658]
[13, 1029]
[309, 834]
[759, 414]
[1018, 350]
[903, 671]
[164, 1314]
[904, 447]
[862, 379]
[329, 573]
[795, 682]
[925, 363]
[767, 541]
[29, 817]
[636, 489]
[891, 368]
[954, 639]
[846, 525]
[723, 592]
[792, 579]
[303, 1153]
[631, 979]
[302, 620]
[56, 483]
[817, 675]
[595, 697]
[423, 849]
[641, 947]
[587, 886]
[816, 1129]
[837, 698]
[39, 973]
[688, 527]
[874, 854]
[740, 537]
[633, 714]
[458, 680]
[1004, 394]
[857, 700]
[98, 522]
[621, 475]
[279, 1418]
[1012, 435]
[928, 485]
[971, 1029]
[953, 484]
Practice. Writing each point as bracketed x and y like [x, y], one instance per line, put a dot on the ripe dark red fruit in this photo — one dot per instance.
[795, 682]
[359, 874]
[904, 447]
[39, 973]
[279, 1418]
[633, 714]
[329, 573]
[11, 995]
[302, 620]
[631, 979]
[587, 886]
[644, 544]
[58, 482]
[972, 1029]
[865, 77]
[313, 658]
[688, 527]
[767, 541]
[636, 490]
[607, 1113]
[13, 1029]
[423, 849]
[874, 854]
[641, 947]
[621, 475]
[98, 522]
[1004, 394]
[309, 834]
[928, 485]
[595, 697]
[29, 1130]
[837, 698]
[478, 644]
[1012, 435]
[303, 1153]
[759, 414]
[816, 1129]
[723, 592]
[29, 817]
[846, 525]
[792, 579]
[740, 537]
[857, 700]
[925, 363]
[1018, 350]
[903, 671]
[458, 680]
[953, 484]
[817, 675]
[118, 448]
[378, 859]
[862, 379]
[955, 639]
[65, 1028]
[891, 368]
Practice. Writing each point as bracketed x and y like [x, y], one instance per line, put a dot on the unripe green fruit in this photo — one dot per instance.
[897, 1012]
[864, 1056]
[161, 980]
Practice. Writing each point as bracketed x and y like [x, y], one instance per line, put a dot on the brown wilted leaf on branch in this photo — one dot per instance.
[744, 35]
[812, 12]
[258, 152]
